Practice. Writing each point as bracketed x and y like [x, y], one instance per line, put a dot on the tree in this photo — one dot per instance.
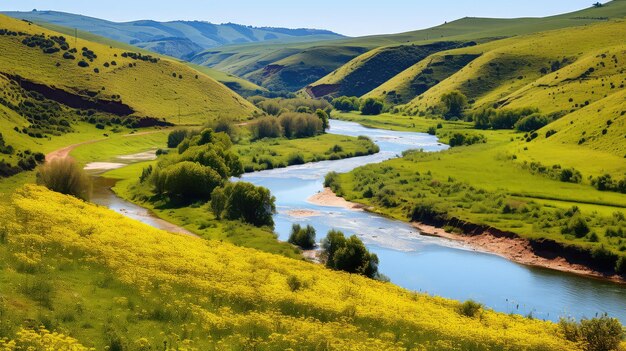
[323, 116]
[302, 237]
[453, 104]
[346, 104]
[597, 334]
[349, 255]
[371, 107]
[252, 204]
[190, 180]
[218, 202]
[65, 176]
[267, 127]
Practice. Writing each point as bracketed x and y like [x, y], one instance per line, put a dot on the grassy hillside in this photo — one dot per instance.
[560, 70]
[185, 293]
[168, 89]
[177, 38]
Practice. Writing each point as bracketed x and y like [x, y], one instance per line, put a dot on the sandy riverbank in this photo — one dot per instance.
[517, 250]
[328, 198]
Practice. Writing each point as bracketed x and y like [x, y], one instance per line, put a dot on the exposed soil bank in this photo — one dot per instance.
[544, 253]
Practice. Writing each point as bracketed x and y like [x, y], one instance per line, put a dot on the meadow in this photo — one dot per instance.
[101, 280]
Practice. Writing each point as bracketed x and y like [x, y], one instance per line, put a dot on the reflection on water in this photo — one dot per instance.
[437, 266]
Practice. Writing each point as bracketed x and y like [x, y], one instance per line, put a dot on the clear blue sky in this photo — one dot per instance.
[349, 17]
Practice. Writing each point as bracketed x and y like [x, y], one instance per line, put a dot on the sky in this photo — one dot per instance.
[348, 17]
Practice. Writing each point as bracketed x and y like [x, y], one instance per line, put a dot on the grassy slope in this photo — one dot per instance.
[237, 84]
[160, 95]
[508, 71]
[470, 29]
[163, 287]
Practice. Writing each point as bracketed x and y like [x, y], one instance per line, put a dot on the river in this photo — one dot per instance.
[432, 265]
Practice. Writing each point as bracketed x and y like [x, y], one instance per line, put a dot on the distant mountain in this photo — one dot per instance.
[180, 39]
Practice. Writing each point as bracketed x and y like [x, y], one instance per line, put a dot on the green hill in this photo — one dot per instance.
[51, 86]
[177, 38]
[417, 78]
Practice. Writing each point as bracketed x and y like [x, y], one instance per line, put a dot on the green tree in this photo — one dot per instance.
[218, 202]
[453, 104]
[346, 104]
[302, 237]
[597, 334]
[323, 116]
[252, 204]
[371, 107]
[349, 255]
[189, 180]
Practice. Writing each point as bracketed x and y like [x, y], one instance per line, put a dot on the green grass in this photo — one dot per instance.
[473, 183]
[259, 155]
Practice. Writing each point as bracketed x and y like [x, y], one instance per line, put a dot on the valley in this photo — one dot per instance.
[184, 185]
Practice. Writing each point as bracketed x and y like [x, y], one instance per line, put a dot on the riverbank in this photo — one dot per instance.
[511, 247]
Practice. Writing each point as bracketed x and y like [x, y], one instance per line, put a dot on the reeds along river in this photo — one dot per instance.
[421, 263]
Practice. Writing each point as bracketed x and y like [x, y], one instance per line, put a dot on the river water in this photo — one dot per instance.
[432, 265]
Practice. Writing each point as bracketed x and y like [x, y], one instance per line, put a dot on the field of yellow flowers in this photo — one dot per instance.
[75, 276]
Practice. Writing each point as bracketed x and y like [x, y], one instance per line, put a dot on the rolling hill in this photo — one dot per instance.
[180, 39]
[415, 80]
[51, 86]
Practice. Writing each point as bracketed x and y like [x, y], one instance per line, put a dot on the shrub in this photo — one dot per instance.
[295, 159]
[65, 176]
[300, 125]
[577, 226]
[349, 255]
[470, 308]
[218, 202]
[453, 104]
[597, 334]
[531, 123]
[346, 104]
[270, 107]
[83, 63]
[302, 237]
[371, 107]
[432, 131]
[266, 127]
[190, 180]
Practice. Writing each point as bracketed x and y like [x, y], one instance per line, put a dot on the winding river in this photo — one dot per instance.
[421, 263]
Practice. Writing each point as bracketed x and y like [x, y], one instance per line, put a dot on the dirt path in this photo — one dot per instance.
[517, 250]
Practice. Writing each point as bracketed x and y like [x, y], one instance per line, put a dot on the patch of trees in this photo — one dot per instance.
[302, 237]
[4, 148]
[349, 255]
[47, 45]
[523, 119]
[89, 54]
[372, 107]
[556, 172]
[200, 170]
[463, 139]
[346, 103]
[290, 125]
[453, 104]
[9, 32]
[276, 107]
[27, 161]
[244, 201]
[65, 176]
[606, 182]
[141, 57]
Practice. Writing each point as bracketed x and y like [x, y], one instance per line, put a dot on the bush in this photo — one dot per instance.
[597, 334]
[266, 127]
[346, 104]
[300, 125]
[453, 104]
[189, 180]
[302, 237]
[252, 204]
[577, 226]
[349, 255]
[175, 137]
[218, 202]
[295, 159]
[65, 176]
[470, 308]
[371, 107]
[531, 123]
